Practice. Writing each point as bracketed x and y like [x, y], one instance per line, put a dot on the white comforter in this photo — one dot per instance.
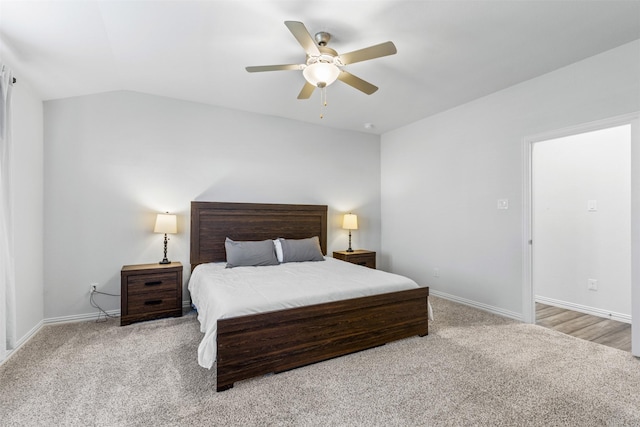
[219, 292]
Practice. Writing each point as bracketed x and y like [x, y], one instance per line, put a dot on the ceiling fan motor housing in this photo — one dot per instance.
[327, 55]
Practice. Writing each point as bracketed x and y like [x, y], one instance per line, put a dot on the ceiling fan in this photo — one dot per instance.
[323, 65]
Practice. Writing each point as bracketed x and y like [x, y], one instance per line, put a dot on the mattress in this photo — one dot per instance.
[219, 292]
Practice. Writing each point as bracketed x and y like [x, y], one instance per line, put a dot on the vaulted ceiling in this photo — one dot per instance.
[449, 52]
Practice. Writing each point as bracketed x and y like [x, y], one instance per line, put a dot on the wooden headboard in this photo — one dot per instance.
[212, 222]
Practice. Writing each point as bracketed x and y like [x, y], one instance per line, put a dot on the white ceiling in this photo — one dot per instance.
[449, 52]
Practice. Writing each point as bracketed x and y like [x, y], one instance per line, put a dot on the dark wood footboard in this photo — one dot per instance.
[277, 341]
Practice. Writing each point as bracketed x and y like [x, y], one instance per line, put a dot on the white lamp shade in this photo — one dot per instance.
[350, 222]
[166, 223]
[321, 74]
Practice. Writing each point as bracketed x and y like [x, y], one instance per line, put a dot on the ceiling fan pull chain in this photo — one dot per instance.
[323, 100]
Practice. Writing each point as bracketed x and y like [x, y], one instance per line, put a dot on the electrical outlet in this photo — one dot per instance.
[592, 284]
[93, 287]
[436, 272]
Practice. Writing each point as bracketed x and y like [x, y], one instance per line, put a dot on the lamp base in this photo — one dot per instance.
[165, 260]
[349, 250]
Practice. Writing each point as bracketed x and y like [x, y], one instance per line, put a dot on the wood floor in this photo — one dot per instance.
[591, 328]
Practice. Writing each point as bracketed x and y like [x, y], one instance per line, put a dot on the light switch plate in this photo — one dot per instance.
[503, 203]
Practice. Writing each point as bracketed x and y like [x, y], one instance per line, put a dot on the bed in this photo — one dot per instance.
[249, 345]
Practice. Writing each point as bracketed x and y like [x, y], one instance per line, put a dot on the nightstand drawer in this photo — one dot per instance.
[364, 260]
[157, 282]
[151, 302]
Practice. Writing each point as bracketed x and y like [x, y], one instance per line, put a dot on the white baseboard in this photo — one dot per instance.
[67, 319]
[478, 305]
[22, 341]
[585, 309]
[80, 317]
[93, 316]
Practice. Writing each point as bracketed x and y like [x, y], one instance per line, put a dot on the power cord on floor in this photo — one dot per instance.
[94, 304]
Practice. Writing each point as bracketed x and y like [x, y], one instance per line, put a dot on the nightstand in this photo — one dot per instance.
[358, 256]
[150, 291]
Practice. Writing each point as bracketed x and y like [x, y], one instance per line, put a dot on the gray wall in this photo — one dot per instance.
[114, 160]
[442, 177]
[27, 183]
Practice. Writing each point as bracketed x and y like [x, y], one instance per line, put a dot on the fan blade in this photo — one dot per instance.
[273, 68]
[306, 91]
[371, 52]
[357, 82]
[301, 34]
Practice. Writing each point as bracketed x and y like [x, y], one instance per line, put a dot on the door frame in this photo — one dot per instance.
[528, 293]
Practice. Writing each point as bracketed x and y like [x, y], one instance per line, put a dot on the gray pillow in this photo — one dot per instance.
[298, 250]
[240, 254]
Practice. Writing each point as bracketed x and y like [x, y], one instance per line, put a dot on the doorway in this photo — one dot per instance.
[579, 204]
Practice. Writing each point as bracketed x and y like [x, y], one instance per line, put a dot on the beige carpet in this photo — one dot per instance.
[474, 368]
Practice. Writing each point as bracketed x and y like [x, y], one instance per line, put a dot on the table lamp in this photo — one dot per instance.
[166, 223]
[350, 222]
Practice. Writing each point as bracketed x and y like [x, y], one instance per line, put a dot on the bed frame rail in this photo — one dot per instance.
[277, 341]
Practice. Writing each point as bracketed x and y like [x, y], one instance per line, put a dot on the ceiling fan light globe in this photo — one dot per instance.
[321, 73]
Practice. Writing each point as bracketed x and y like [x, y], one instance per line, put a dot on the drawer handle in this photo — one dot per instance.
[156, 283]
[362, 263]
[153, 302]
